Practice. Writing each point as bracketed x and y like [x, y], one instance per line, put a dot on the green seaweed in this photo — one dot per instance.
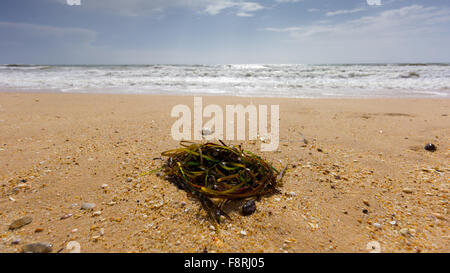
[219, 171]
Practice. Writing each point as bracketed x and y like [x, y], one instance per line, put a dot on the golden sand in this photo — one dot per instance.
[363, 176]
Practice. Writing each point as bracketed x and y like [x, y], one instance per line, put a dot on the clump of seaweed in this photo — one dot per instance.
[217, 171]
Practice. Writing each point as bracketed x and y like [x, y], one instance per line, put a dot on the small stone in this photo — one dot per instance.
[87, 206]
[102, 232]
[405, 231]
[129, 179]
[74, 230]
[206, 132]
[373, 247]
[366, 203]
[97, 213]
[37, 230]
[66, 216]
[243, 233]
[430, 147]
[439, 216]
[73, 247]
[408, 190]
[104, 186]
[16, 241]
[37, 248]
[377, 225]
[393, 223]
[20, 223]
[248, 208]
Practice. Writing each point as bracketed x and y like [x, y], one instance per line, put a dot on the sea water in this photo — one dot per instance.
[261, 80]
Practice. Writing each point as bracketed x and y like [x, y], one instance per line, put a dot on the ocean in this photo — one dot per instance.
[271, 80]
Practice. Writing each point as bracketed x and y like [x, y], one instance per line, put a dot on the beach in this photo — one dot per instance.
[362, 179]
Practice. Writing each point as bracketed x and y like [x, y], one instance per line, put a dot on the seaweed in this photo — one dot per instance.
[218, 171]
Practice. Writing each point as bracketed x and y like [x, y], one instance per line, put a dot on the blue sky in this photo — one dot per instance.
[223, 31]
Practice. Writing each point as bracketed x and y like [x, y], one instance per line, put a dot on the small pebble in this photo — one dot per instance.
[430, 147]
[20, 223]
[405, 231]
[16, 241]
[66, 216]
[37, 248]
[73, 247]
[87, 206]
[243, 233]
[206, 132]
[373, 247]
[37, 230]
[408, 190]
[248, 208]
[97, 213]
[377, 225]
[104, 186]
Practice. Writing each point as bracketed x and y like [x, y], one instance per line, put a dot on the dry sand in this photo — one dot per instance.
[363, 176]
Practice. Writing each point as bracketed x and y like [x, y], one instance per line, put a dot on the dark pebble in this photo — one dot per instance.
[20, 223]
[249, 208]
[365, 211]
[37, 248]
[430, 147]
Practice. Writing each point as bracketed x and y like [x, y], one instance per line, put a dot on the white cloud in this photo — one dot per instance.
[404, 20]
[344, 11]
[243, 9]
[313, 10]
[146, 7]
[288, 1]
[407, 32]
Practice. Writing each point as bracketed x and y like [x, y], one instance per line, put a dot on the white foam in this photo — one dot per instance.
[242, 80]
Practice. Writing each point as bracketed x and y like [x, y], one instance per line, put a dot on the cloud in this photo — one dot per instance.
[344, 11]
[406, 20]
[288, 1]
[146, 7]
[243, 9]
[391, 34]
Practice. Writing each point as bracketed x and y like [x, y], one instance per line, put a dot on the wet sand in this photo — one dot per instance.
[363, 176]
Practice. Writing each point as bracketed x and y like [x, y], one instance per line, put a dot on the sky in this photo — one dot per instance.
[223, 31]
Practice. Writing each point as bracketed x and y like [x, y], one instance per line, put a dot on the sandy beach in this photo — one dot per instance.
[363, 176]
